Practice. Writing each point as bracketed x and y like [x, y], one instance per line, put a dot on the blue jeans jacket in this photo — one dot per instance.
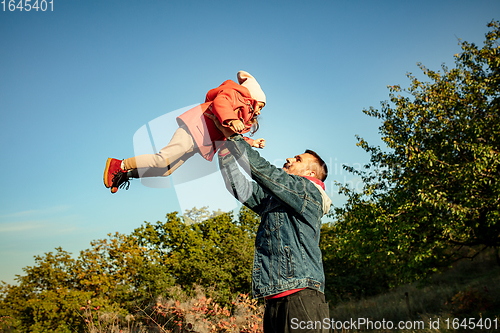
[287, 254]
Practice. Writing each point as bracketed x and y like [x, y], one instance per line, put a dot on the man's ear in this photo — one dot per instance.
[312, 174]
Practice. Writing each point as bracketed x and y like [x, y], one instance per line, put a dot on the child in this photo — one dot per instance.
[235, 105]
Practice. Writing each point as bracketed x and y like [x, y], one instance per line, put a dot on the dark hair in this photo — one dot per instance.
[322, 169]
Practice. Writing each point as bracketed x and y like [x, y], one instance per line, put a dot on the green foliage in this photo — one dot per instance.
[196, 215]
[464, 291]
[44, 296]
[349, 266]
[50, 293]
[113, 267]
[122, 273]
[435, 188]
[214, 253]
[53, 311]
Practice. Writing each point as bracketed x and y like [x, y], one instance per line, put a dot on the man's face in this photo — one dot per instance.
[299, 165]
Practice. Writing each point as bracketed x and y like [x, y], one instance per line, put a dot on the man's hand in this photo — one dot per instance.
[259, 143]
[227, 132]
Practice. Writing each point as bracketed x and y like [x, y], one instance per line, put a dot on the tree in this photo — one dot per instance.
[117, 268]
[215, 252]
[124, 272]
[434, 190]
[47, 298]
[196, 215]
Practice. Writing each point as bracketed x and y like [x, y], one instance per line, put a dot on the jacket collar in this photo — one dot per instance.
[316, 181]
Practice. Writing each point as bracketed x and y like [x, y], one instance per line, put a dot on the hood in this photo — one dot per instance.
[229, 84]
[247, 80]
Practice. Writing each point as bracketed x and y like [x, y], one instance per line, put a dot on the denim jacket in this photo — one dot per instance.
[287, 254]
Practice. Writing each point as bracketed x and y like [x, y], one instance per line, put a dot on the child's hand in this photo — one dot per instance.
[237, 125]
[259, 143]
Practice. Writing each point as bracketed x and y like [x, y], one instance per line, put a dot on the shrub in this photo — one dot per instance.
[184, 314]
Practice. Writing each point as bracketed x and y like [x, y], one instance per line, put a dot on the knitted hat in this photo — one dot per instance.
[249, 82]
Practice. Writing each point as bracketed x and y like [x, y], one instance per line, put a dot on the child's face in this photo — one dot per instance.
[259, 107]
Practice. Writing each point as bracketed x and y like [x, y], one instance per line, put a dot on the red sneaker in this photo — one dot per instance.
[112, 167]
[120, 180]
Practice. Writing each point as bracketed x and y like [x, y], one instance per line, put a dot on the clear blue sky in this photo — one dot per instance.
[76, 83]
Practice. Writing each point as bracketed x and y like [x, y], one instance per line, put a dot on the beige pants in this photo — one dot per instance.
[167, 160]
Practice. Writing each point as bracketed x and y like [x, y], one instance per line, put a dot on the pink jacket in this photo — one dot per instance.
[229, 101]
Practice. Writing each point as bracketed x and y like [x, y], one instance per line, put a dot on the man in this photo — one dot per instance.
[287, 268]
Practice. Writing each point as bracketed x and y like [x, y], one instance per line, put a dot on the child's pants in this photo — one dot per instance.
[167, 160]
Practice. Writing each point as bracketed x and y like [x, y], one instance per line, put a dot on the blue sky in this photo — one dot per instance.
[78, 82]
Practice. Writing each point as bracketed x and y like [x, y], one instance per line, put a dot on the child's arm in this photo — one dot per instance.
[222, 108]
[258, 143]
[236, 125]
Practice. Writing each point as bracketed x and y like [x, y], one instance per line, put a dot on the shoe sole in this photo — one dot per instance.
[108, 162]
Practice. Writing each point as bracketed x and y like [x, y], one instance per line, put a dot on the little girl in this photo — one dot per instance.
[235, 105]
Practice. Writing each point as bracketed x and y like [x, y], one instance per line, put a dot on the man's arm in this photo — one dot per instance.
[294, 191]
[247, 192]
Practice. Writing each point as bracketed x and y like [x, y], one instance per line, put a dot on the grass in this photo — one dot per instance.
[469, 289]
[180, 314]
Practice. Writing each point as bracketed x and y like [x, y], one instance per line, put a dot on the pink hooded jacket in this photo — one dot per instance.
[229, 101]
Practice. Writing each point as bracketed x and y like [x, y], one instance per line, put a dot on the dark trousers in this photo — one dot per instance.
[301, 312]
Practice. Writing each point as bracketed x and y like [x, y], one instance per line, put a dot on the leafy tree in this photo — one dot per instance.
[349, 269]
[196, 215]
[125, 271]
[46, 299]
[434, 190]
[112, 267]
[50, 293]
[216, 252]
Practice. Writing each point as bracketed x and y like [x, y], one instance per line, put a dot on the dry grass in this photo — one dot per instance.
[467, 290]
[182, 313]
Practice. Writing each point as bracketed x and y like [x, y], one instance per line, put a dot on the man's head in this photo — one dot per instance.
[307, 164]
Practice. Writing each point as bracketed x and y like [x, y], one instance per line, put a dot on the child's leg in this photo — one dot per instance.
[181, 144]
[157, 172]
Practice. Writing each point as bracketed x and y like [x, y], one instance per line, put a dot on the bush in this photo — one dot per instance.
[180, 314]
